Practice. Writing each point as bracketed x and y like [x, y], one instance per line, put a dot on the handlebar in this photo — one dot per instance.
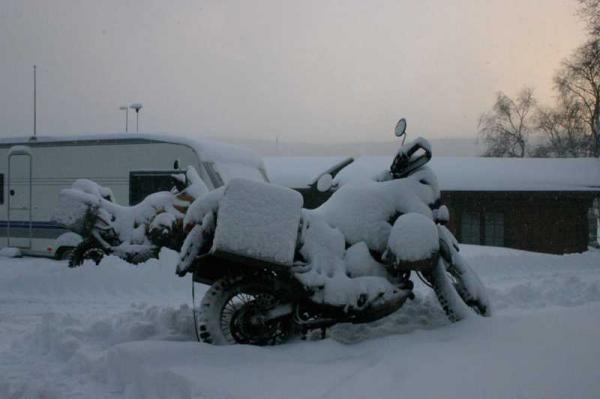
[410, 157]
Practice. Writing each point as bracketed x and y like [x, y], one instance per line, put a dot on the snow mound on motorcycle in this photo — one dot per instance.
[333, 247]
[363, 210]
[161, 209]
[261, 221]
[338, 276]
[413, 237]
[258, 220]
[86, 200]
[75, 202]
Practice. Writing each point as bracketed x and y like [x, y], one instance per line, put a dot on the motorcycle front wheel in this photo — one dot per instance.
[87, 249]
[459, 290]
[232, 310]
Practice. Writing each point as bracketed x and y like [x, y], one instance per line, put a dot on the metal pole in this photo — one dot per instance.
[34, 102]
[136, 107]
[126, 119]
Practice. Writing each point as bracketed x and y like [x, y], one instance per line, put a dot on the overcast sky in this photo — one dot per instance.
[315, 71]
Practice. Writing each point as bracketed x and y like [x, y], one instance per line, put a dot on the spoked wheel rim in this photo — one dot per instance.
[235, 310]
[232, 312]
[242, 320]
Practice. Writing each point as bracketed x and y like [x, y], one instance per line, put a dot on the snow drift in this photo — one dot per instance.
[119, 331]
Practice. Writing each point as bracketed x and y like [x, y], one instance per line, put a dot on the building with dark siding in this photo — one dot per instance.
[534, 204]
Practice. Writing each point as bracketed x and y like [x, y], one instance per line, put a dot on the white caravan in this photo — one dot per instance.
[34, 170]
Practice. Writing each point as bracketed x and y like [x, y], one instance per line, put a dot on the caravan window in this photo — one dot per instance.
[142, 184]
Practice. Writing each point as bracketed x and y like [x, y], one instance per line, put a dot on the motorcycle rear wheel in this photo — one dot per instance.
[458, 290]
[226, 314]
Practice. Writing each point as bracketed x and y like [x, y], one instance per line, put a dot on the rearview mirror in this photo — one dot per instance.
[325, 182]
[400, 128]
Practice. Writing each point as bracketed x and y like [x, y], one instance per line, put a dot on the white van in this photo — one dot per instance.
[34, 170]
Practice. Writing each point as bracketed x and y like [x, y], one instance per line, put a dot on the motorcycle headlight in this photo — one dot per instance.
[419, 265]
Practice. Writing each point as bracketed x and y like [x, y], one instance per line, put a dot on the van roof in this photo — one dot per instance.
[207, 150]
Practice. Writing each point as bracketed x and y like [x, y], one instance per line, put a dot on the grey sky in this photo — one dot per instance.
[318, 71]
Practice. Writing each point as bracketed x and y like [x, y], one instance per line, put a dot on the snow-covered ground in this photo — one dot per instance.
[121, 331]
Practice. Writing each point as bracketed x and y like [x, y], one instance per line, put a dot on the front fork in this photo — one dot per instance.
[401, 279]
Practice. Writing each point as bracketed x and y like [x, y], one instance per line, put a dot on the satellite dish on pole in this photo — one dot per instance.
[136, 107]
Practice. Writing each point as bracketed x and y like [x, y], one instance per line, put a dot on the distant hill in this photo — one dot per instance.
[457, 147]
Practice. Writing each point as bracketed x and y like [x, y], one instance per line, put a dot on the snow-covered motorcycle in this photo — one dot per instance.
[134, 233]
[276, 269]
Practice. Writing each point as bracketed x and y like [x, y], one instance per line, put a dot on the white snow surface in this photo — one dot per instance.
[9, 252]
[68, 239]
[457, 173]
[93, 188]
[258, 220]
[121, 331]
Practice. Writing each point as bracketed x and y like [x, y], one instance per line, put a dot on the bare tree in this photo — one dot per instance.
[589, 11]
[579, 80]
[505, 129]
[563, 129]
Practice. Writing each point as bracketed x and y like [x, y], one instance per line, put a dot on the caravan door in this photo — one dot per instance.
[19, 197]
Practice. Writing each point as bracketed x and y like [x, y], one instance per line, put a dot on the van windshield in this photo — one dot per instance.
[222, 172]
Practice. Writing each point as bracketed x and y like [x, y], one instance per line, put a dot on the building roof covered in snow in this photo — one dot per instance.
[298, 171]
[454, 173]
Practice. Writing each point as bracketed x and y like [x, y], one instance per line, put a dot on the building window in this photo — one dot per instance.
[142, 184]
[486, 230]
[494, 229]
[470, 231]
